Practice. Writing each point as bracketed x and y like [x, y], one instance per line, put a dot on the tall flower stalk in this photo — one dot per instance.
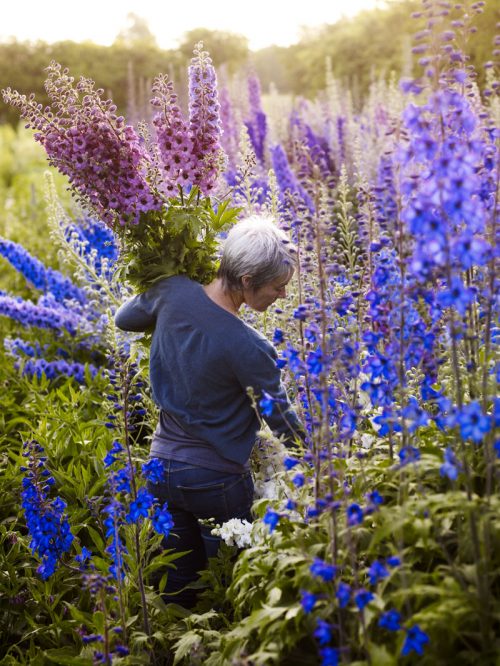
[204, 121]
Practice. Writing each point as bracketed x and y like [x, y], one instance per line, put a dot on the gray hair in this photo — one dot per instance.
[258, 248]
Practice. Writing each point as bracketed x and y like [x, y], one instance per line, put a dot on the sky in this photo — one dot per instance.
[263, 22]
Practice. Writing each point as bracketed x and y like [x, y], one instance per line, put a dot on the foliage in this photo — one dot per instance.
[226, 49]
[183, 240]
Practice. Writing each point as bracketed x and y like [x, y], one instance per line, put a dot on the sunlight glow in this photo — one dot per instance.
[263, 22]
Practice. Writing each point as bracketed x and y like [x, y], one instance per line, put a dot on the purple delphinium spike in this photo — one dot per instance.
[54, 369]
[341, 122]
[28, 314]
[230, 136]
[446, 146]
[98, 242]
[312, 151]
[384, 194]
[286, 178]
[115, 512]
[18, 347]
[256, 124]
[204, 121]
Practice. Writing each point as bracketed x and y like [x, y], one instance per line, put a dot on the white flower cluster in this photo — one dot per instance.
[267, 467]
[235, 532]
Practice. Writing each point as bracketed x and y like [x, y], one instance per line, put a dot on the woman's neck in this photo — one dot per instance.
[226, 299]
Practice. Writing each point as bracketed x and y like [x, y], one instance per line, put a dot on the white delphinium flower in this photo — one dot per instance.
[235, 532]
[367, 440]
[267, 489]
[268, 472]
[241, 533]
[267, 460]
[363, 397]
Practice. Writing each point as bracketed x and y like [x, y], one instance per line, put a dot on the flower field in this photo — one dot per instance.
[380, 543]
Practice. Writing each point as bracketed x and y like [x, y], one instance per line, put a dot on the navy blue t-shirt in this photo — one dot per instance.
[203, 359]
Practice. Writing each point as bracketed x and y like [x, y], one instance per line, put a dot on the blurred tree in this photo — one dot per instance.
[22, 67]
[376, 43]
[137, 33]
[224, 47]
[273, 67]
[367, 45]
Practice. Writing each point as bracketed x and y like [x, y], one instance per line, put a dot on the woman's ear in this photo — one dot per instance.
[246, 281]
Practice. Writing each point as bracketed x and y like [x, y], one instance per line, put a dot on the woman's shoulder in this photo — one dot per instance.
[175, 281]
[254, 342]
[254, 334]
[173, 285]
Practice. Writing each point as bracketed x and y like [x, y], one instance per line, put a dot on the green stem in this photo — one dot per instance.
[107, 655]
[365, 636]
[126, 431]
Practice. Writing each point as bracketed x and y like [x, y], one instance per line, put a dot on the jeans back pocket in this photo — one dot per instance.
[205, 501]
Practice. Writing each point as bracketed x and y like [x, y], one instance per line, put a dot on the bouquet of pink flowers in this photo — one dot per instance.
[151, 186]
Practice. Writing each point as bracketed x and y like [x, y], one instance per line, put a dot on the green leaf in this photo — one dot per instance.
[99, 621]
[274, 596]
[185, 645]
[66, 657]
[380, 656]
[97, 539]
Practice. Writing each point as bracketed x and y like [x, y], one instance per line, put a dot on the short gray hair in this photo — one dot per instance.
[258, 248]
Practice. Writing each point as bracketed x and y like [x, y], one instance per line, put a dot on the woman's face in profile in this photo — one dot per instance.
[261, 298]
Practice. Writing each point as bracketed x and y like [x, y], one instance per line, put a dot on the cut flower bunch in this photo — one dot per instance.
[152, 187]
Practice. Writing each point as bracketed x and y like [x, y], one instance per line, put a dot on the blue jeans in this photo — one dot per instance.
[196, 492]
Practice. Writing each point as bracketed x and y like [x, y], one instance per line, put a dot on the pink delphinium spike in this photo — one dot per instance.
[204, 121]
[173, 139]
[84, 139]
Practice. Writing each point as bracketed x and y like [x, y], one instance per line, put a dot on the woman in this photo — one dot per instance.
[203, 359]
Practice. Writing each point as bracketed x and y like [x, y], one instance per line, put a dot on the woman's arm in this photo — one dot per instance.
[136, 314]
[257, 369]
